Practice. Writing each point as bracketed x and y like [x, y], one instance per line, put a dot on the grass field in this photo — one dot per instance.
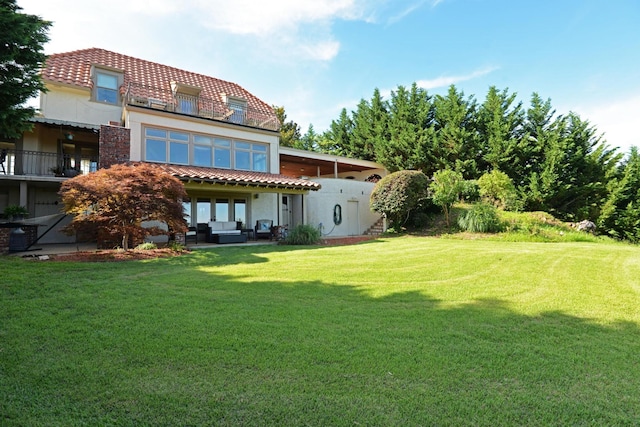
[399, 331]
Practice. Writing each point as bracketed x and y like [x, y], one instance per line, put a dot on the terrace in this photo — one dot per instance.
[173, 101]
[37, 163]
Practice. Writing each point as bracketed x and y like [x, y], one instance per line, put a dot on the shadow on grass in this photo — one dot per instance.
[179, 346]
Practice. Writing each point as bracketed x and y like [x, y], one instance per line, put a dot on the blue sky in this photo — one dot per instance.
[316, 57]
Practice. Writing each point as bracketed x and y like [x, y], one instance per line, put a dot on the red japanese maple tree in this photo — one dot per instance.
[120, 198]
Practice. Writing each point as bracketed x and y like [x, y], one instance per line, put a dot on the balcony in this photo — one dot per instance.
[37, 163]
[167, 100]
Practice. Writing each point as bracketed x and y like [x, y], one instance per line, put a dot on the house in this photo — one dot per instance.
[103, 108]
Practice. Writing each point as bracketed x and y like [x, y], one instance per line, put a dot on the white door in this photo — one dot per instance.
[353, 218]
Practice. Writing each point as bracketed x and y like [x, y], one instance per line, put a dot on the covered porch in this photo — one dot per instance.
[237, 200]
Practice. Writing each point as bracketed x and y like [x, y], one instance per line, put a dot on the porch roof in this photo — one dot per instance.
[236, 177]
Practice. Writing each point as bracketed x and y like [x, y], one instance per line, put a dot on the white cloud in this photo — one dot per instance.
[445, 81]
[276, 28]
[617, 120]
[270, 17]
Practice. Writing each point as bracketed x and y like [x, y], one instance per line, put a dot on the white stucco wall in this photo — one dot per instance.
[265, 206]
[348, 194]
[75, 105]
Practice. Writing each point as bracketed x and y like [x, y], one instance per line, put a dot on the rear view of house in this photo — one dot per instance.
[103, 108]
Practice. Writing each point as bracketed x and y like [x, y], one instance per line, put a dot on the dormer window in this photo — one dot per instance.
[186, 97]
[105, 86]
[237, 108]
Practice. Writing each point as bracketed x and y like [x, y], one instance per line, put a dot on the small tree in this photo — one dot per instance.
[398, 194]
[120, 198]
[446, 187]
[21, 57]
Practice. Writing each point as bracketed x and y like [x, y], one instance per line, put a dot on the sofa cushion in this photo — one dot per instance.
[222, 225]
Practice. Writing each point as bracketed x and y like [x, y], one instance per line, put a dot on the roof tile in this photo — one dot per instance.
[74, 68]
[235, 177]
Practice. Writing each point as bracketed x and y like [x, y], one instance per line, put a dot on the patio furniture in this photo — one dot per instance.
[225, 232]
[263, 228]
[191, 234]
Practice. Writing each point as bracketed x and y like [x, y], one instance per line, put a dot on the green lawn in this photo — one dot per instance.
[402, 331]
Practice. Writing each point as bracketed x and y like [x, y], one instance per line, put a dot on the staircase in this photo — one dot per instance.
[376, 229]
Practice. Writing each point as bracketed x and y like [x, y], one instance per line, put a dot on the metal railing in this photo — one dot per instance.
[166, 100]
[38, 163]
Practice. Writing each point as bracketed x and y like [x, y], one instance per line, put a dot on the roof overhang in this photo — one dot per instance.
[294, 162]
[255, 180]
[65, 124]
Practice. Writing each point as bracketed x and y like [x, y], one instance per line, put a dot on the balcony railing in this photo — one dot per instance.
[37, 163]
[167, 100]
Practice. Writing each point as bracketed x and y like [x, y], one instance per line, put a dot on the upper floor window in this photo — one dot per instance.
[106, 86]
[168, 146]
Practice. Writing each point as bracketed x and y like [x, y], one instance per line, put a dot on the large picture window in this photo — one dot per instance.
[161, 145]
[167, 146]
[222, 151]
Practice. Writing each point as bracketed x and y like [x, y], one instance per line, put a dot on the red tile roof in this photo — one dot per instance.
[236, 177]
[74, 68]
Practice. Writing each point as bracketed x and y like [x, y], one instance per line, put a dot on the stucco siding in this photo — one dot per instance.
[75, 105]
[347, 193]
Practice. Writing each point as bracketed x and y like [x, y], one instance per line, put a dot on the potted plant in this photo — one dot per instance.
[57, 170]
[15, 212]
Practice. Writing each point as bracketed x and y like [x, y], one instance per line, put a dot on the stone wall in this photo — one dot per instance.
[115, 145]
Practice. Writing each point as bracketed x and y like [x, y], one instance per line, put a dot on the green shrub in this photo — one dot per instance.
[399, 194]
[480, 218]
[176, 247]
[303, 234]
[497, 188]
[470, 191]
[147, 246]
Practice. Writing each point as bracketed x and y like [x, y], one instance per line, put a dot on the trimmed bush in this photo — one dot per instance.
[303, 234]
[497, 188]
[480, 218]
[399, 194]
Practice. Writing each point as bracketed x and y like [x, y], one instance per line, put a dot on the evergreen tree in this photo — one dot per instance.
[455, 138]
[337, 140]
[407, 143]
[21, 58]
[309, 141]
[289, 130]
[369, 127]
[620, 216]
[500, 122]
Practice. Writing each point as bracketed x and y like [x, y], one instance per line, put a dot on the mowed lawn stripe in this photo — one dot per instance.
[399, 331]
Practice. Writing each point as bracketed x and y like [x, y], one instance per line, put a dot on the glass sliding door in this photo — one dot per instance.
[240, 211]
[204, 211]
[222, 210]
